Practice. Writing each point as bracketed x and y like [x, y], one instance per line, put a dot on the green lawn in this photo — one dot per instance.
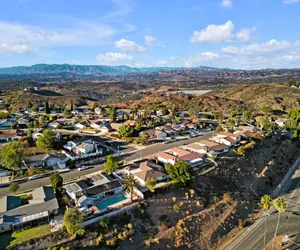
[32, 233]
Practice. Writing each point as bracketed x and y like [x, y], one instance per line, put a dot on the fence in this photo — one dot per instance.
[124, 209]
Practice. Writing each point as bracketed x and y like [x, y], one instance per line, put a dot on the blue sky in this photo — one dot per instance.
[246, 34]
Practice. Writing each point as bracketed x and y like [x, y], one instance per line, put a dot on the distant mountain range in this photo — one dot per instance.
[85, 69]
[60, 73]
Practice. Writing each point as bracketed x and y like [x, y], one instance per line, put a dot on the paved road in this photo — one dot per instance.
[127, 155]
[253, 237]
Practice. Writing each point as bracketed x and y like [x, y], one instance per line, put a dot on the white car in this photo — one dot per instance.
[83, 168]
[34, 177]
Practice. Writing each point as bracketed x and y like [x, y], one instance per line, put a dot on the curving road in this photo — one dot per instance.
[253, 238]
[127, 155]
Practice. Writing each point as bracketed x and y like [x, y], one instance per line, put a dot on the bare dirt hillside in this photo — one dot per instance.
[278, 97]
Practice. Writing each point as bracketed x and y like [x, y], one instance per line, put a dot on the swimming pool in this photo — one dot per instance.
[106, 203]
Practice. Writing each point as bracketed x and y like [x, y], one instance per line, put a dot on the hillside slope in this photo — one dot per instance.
[257, 96]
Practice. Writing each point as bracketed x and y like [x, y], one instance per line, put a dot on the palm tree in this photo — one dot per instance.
[281, 206]
[266, 203]
[129, 184]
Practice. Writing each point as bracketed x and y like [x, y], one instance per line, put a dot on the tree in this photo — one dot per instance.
[12, 155]
[179, 172]
[220, 118]
[47, 140]
[296, 134]
[125, 131]
[246, 115]
[266, 203]
[233, 113]
[73, 220]
[47, 108]
[41, 121]
[112, 116]
[150, 183]
[281, 206]
[71, 106]
[3, 115]
[56, 182]
[143, 139]
[103, 223]
[219, 129]
[129, 184]
[111, 164]
[14, 187]
[240, 151]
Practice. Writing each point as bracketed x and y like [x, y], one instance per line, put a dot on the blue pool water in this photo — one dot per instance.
[106, 203]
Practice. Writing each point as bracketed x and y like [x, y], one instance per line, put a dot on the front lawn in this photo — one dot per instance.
[29, 234]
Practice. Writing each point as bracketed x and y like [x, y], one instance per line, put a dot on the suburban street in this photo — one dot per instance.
[253, 238]
[126, 155]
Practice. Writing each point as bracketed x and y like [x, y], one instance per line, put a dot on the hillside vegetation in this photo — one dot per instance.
[277, 97]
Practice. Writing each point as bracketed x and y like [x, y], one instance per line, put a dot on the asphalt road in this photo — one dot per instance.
[254, 237]
[127, 155]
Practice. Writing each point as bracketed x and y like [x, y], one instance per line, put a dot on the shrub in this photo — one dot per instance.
[176, 208]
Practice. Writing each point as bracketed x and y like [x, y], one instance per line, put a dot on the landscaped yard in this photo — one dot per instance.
[29, 234]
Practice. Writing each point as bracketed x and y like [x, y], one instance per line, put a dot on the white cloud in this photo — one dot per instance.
[214, 34]
[290, 1]
[221, 33]
[244, 35]
[111, 58]
[122, 7]
[15, 48]
[226, 3]
[77, 32]
[262, 48]
[150, 40]
[128, 46]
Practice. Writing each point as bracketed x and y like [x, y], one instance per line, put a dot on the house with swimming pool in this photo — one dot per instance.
[97, 190]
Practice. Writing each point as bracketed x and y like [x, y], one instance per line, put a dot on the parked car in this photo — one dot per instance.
[166, 142]
[34, 177]
[82, 168]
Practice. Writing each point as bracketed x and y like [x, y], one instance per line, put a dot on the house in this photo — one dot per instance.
[5, 123]
[15, 215]
[131, 123]
[54, 125]
[193, 159]
[178, 152]
[217, 150]
[82, 148]
[154, 133]
[8, 203]
[102, 188]
[149, 163]
[143, 173]
[105, 128]
[82, 125]
[210, 148]
[196, 147]
[115, 126]
[75, 190]
[12, 135]
[168, 129]
[166, 158]
[66, 122]
[96, 124]
[227, 138]
[281, 122]
[86, 147]
[46, 159]
[179, 128]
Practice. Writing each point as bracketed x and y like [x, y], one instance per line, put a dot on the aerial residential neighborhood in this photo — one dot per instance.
[157, 125]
